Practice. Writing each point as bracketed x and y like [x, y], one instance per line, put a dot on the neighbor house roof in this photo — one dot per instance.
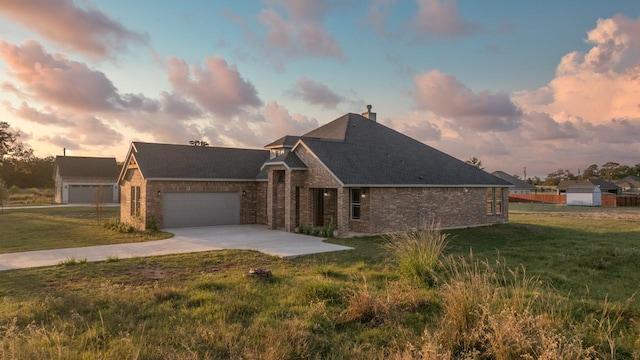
[361, 152]
[167, 161]
[604, 185]
[519, 184]
[86, 167]
[630, 182]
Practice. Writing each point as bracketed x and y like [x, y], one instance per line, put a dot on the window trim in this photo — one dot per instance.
[495, 201]
[135, 201]
[355, 204]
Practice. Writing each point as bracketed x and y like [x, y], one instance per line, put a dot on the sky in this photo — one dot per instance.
[542, 85]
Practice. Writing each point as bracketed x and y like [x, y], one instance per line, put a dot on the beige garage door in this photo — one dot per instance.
[200, 209]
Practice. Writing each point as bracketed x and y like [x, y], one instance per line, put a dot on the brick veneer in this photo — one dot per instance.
[252, 204]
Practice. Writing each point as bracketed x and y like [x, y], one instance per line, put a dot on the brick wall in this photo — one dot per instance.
[398, 209]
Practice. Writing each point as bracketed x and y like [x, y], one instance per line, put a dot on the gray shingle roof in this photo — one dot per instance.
[359, 151]
[519, 184]
[286, 141]
[289, 159]
[166, 161]
[87, 167]
[604, 185]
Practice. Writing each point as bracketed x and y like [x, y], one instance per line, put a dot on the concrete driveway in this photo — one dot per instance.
[186, 240]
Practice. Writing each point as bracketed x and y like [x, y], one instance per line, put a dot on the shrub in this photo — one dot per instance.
[153, 225]
[417, 253]
[116, 225]
[14, 190]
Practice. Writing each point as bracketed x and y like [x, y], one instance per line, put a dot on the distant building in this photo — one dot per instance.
[520, 187]
[584, 195]
[78, 179]
[605, 186]
[629, 184]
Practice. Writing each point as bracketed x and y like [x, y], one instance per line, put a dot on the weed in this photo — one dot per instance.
[417, 253]
[72, 261]
[112, 258]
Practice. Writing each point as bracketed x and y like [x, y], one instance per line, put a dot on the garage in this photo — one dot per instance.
[86, 194]
[200, 209]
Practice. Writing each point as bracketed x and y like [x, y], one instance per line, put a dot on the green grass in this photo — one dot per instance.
[349, 304]
[62, 227]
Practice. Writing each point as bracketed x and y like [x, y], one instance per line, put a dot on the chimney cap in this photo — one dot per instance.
[369, 107]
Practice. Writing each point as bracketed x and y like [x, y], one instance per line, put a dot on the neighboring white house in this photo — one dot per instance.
[584, 195]
[79, 180]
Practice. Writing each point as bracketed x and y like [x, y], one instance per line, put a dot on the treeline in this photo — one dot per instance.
[28, 172]
[610, 171]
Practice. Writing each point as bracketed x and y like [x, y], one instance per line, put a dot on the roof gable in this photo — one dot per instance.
[86, 167]
[167, 161]
[360, 151]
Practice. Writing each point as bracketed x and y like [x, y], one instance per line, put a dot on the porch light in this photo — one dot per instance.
[364, 193]
[244, 193]
[159, 194]
[326, 192]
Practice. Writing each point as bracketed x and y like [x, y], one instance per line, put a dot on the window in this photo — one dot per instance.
[356, 194]
[490, 208]
[135, 201]
[494, 201]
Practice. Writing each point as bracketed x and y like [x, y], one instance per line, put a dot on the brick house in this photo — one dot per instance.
[79, 180]
[361, 175]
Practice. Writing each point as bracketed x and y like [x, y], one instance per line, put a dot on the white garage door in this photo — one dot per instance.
[200, 209]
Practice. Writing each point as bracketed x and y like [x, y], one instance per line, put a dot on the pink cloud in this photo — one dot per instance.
[34, 115]
[216, 87]
[441, 19]
[315, 93]
[445, 96]
[598, 85]
[86, 30]
[57, 80]
[302, 32]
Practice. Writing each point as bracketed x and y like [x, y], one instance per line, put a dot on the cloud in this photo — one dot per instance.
[441, 19]
[31, 114]
[301, 33]
[315, 93]
[445, 96]
[57, 80]
[216, 87]
[541, 126]
[599, 85]
[86, 30]
[378, 15]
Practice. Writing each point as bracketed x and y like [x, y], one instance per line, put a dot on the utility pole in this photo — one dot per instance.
[525, 173]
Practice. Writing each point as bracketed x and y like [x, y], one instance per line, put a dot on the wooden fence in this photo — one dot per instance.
[538, 198]
[607, 200]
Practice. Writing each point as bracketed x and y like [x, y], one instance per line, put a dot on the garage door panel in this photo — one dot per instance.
[201, 209]
[86, 194]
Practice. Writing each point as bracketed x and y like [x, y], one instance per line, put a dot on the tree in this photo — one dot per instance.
[591, 171]
[475, 162]
[198, 143]
[10, 147]
[555, 177]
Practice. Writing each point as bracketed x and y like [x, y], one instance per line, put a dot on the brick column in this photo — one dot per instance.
[342, 222]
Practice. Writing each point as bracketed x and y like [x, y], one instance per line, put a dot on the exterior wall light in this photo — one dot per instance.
[244, 193]
[326, 192]
[159, 194]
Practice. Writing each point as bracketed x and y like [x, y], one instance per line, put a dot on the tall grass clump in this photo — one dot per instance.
[491, 311]
[417, 253]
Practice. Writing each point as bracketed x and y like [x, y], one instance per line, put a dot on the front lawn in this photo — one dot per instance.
[62, 227]
[572, 300]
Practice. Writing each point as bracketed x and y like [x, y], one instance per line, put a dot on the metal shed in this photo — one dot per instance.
[584, 195]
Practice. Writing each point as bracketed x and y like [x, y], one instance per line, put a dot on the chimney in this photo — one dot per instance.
[369, 115]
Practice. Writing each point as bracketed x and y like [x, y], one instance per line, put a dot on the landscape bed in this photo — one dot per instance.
[562, 281]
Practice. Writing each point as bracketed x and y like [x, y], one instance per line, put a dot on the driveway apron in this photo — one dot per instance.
[186, 240]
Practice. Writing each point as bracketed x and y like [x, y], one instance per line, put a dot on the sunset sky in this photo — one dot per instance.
[539, 84]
